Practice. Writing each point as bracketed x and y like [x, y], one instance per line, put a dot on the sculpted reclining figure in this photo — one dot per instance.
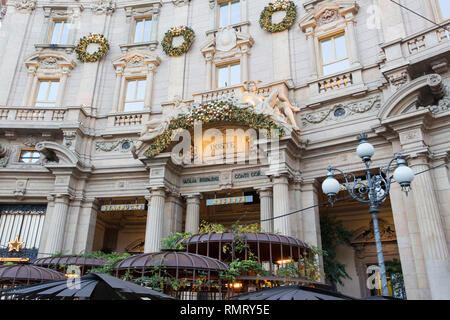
[276, 105]
[155, 127]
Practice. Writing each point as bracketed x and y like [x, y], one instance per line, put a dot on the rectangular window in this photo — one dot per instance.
[134, 95]
[229, 13]
[47, 92]
[142, 30]
[444, 8]
[334, 54]
[60, 32]
[29, 156]
[228, 75]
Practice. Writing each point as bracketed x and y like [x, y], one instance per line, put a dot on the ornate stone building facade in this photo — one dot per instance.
[79, 135]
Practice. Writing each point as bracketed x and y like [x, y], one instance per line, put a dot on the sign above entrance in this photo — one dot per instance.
[123, 207]
[232, 200]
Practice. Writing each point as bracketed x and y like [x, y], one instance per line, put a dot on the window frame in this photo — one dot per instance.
[22, 150]
[133, 33]
[52, 29]
[125, 89]
[228, 3]
[36, 93]
[332, 37]
[439, 12]
[228, 65]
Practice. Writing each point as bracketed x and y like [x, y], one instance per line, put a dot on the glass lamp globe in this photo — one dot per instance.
[404, 175]
[330, 186]
[365, 150]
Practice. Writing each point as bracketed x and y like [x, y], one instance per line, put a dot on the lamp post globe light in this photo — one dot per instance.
[373, 190]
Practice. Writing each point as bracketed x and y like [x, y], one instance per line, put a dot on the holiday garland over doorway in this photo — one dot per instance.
[265, 20]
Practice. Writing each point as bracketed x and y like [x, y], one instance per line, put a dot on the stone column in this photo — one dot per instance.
[353, 44]
[171, 215]
[281, 205]
[266, 200]
[244, 64]
[192, 213]
[312, 53]
[31, 74]
[33, 91]
[434, 243]
[55, 237]
[441, 176]
[117, 88]
[209, 71]
[44, 235]
[155, 214]
[149, 86]
[296, 204]
[84, 239]
[62, 88]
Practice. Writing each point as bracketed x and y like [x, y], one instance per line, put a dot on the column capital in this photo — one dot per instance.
[280, 178]
[61, 197]
[310, 185]
[192, 197]
[265, 191]
[157, 191]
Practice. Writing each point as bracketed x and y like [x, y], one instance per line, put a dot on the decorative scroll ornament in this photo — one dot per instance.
[26, 5]
[188, 35]
[328, 16]
[118, 145]
[265, 20]
[218, 111]
[82, 47]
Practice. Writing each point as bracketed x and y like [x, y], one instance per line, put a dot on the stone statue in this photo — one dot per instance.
[276, 105]
[156, 127]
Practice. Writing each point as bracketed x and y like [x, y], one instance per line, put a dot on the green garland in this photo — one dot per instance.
[265, 20]
[212, 112]
[188, 35]
[85, 41]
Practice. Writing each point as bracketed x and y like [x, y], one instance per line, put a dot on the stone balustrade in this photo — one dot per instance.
[32, 114]
[128, 120]
[335, 82]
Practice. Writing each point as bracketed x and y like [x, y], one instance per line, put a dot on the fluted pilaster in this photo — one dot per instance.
[155, 214]
[281, 205]
[266, 200]
[192, 213]
[57, 223]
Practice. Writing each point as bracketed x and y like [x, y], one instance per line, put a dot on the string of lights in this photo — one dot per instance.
[325, 203]
[420, 15]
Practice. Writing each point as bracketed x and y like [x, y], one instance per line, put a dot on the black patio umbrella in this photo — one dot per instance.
[293, 293]
[93, 286]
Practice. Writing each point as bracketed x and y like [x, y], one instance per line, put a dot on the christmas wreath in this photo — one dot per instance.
[188, 35]
[265, 19]
[84, 56]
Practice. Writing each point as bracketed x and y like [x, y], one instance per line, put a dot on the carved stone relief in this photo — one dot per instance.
[117, 145]
[340, 111]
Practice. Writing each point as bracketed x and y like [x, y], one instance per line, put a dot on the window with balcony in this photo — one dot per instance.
[142, 30]
[59, 33]
[444, 8]
[229, 13]
[47, 93]
[334, 54]
[29, 156]
[134, 95]
[228, 75]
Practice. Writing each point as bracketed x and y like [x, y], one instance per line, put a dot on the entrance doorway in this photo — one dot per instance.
[121, 225]
[228, 214]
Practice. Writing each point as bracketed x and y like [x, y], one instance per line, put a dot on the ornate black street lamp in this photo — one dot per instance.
[372, 190]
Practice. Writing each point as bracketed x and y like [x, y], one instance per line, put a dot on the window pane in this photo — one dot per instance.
[235, 74]
[56, 32]
[327, 51]
[235, 12]
[140, 90]
[131, 88]
[133, 106]
[444, 5]
[223, 15]
[336, 67]
[53, 91]
[138, 30]
[222, 77]
[340, 47]
[147, 30]
[42, 92]
[65, 33]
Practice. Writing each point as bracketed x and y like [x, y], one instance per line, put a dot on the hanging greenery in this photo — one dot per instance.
[174, 241]
[110, 258]
[333, 234]
[208, 113]
[84, 42]
[265, 19]
[167, 43]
